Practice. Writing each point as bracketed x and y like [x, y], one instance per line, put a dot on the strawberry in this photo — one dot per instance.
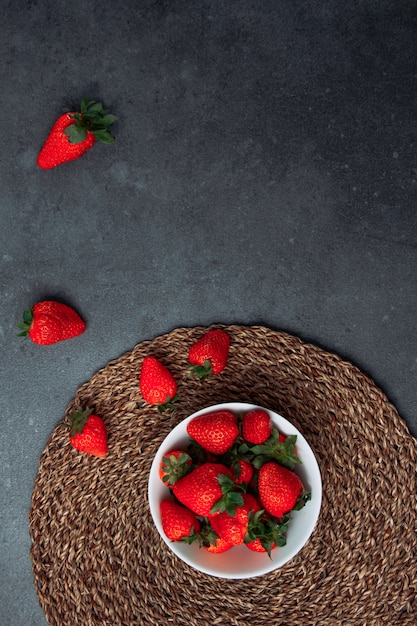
[233, 528]
[74, 133]
[48, 322]
[88, 432]
[205, 487]
[279, 488]
[277, 447]
[157, 384]
[256, 545]
[256, 426]
[220, 545]
[265, 532]
[242, 471]
[215, 431]
[174, 465]
[178, 522]
[208, 356]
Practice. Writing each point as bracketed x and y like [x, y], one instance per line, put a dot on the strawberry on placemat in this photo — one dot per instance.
[157, 384]
[208, 356]
[88, 432]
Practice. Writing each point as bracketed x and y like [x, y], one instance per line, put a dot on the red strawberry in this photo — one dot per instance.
[233, 529]
[201, 489]
[177, 521]
[157, 384]
[209, 354]
[174, 465]
[220, 546]
[256, 546]
[88, 432]
[265, 532]
[48, 322]
[256, 426]
[279, 488]
[75, 133]
[243, 471]
[215, 431]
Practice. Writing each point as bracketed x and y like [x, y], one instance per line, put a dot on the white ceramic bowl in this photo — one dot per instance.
[239, 561]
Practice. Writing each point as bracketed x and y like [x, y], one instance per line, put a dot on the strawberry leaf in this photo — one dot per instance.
[168, 404]
[302, 500]
[95, 108]
[283, 452]
[94, 119]
[228, 503]
[175, 468]
[78, 420]
[233, 501]
[232, 497]
[75, 134]
[28, 316]
[207, 535]
[237, 470]
[108, 119]
[225, 482]
[201, 371]
[243, 449]
[85, 103]
[193, 537]
[24, 326]
[267, 529]
[259, 460]
[103, 135]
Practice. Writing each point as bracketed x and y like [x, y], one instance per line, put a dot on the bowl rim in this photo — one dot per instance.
[221, 565]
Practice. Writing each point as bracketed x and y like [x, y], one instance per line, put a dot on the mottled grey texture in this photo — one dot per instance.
[265, 171]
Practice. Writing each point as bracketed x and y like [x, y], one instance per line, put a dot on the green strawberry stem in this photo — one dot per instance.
[168, 404]
[93, 119]
[231, 498]
[302, 501]
[201, 371]
[268, 530]
[283, 452]
[206, 537]
[175, 468]
[78, 420]
[25, 326]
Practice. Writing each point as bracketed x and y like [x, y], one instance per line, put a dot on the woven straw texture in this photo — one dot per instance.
[99, 561]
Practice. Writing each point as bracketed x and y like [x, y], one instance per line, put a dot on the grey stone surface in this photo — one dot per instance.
[265, 172]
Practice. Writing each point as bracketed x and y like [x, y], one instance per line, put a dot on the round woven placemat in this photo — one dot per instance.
[98, 559]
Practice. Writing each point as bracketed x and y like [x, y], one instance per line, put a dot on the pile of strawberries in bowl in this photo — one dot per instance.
[235, 490]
